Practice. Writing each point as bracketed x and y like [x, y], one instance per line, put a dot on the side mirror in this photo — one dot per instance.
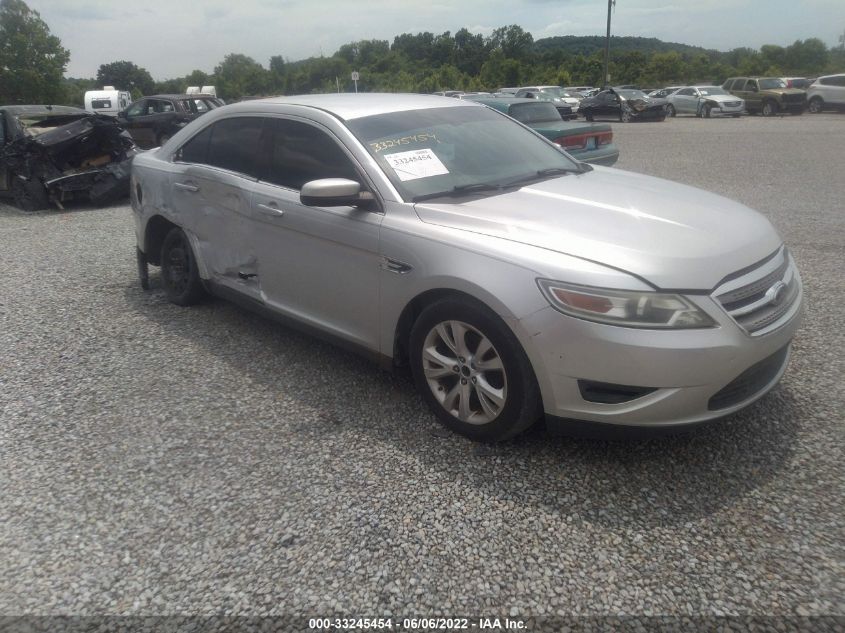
[334, 192]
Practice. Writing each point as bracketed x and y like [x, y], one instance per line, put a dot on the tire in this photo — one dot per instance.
[770, 108]
[29, 195]
[670, 110]
[179, 273]
[705, 111]
[816, 105]
[625, 116]
[489, 401]
[588, 116]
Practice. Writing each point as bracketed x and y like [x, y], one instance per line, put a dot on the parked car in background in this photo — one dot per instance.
[153, 120]
[802, 83]
[564, 107]
[578, 90]
[555, 92]
[403, 227]
[57, 153]
[826, 92]
[509, 91]
[766, 95]
[588, 142]
[622, 104]
[704, 101]
[662, 93]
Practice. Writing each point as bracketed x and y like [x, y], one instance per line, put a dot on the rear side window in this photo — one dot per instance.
[301, 152]
[236, 145]
[99, 104]
[534, 112]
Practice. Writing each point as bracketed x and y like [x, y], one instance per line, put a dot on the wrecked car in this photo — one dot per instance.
[623, 104]
[51, 154]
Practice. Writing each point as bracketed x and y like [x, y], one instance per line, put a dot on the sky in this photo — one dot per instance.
[170, 38]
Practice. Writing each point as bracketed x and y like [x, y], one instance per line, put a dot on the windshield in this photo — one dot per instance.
[458, 149]
[631, 94]
[712, 90]
[769, 84]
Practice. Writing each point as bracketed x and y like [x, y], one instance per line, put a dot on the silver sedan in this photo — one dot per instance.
[704, 101]
[514, 281]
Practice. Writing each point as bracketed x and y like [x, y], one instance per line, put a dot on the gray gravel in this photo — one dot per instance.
[161, 460]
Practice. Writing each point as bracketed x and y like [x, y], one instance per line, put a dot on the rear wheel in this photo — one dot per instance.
[471, 370]
[816, 105]
[179, 272]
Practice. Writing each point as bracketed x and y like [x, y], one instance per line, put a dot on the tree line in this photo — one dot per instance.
[32, 63]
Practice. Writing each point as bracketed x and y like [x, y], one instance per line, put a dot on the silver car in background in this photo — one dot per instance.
[442, 235]
[704, 101]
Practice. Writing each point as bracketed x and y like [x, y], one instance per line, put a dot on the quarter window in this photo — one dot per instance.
[301, 152]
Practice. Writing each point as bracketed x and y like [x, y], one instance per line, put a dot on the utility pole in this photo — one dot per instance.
[606, 79]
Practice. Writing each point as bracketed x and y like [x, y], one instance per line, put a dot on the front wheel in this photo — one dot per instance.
[625, 116]
[816, 105]
[670, 110]
[472, 372]
[770, 108]
[705, 111]
[179, 272]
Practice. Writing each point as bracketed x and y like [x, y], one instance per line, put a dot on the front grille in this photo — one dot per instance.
[749, 382]
[732, 104]
[795, 98]
[761, 299]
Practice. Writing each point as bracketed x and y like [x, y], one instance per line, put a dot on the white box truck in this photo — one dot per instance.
[107, 101]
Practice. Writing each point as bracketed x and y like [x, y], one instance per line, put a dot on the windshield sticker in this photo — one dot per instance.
[419, 163]
[424, 137]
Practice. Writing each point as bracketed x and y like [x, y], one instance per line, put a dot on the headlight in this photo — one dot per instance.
[624, 308]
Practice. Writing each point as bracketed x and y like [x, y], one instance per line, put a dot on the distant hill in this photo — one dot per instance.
[589, 44]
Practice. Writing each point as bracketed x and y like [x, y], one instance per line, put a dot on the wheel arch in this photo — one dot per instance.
[156, 230]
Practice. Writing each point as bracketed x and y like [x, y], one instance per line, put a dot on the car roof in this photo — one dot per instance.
[350, 105]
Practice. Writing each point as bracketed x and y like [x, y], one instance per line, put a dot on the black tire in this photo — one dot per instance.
[670, 110]
[179, 273]
[770, 108]
[588, 116]
[816, 105]
[521, 401]
[705, 110]
[625, 115]
[29, 195]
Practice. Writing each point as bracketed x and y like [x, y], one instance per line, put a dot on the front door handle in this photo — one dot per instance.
[270, 209]
[186, 187]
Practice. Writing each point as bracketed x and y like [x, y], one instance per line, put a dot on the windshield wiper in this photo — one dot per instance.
[459, 190]
[543, 173]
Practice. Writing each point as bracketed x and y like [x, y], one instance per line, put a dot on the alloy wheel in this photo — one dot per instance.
[465, 372]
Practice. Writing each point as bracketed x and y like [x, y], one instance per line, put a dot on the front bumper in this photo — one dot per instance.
[696, 375]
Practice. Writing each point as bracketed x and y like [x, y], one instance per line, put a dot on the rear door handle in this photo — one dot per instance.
[270, 209]
[186, 187]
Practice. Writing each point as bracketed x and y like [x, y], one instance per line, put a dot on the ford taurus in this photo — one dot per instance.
[436, 233]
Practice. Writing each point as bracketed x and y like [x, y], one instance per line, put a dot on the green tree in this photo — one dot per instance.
[32, 61]
[513, 41]
[470, 52]
[238, 75]
[125, 75]
[807, 57]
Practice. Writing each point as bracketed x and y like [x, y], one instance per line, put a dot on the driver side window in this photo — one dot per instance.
[138, 108]
[301, 152]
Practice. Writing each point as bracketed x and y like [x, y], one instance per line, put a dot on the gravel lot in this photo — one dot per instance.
[162, 460]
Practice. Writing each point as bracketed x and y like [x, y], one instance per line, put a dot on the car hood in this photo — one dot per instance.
[671, 235]
[721, 98]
